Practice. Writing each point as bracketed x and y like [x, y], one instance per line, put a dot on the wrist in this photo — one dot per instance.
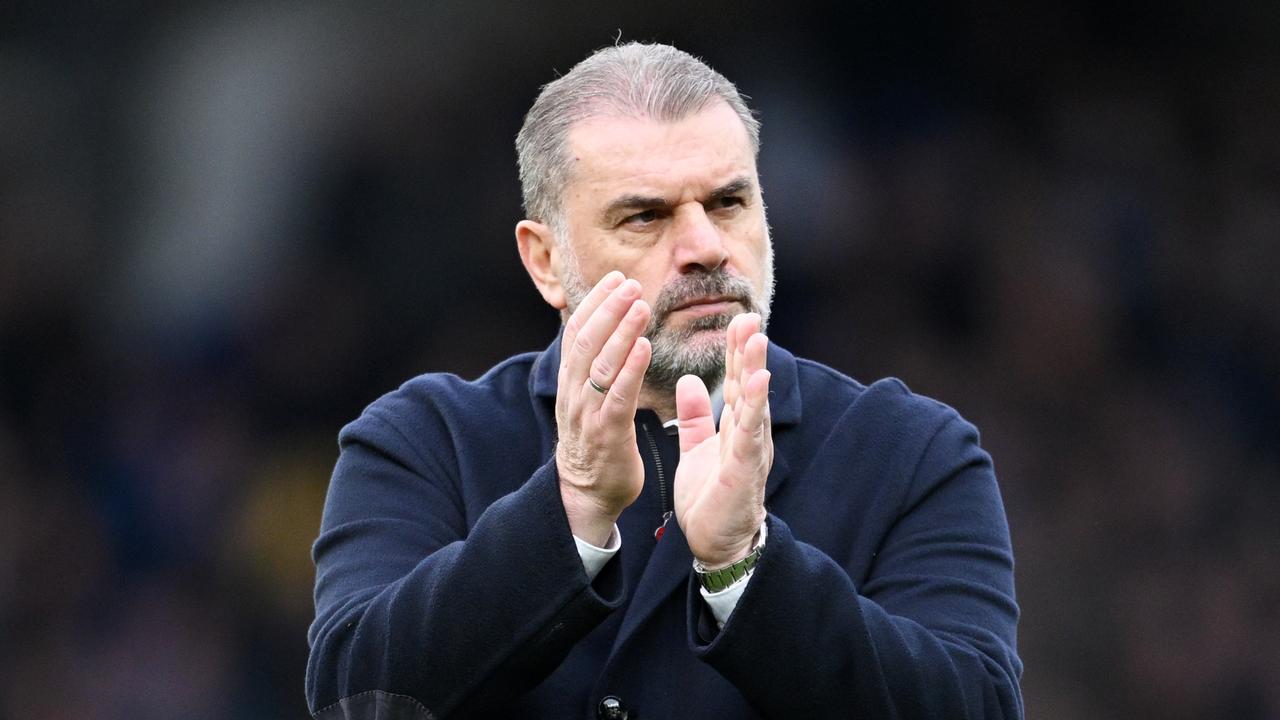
[716, 579]
[733, 553]
[588, 521]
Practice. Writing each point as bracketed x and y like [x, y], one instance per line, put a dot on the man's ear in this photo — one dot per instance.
[541, 260]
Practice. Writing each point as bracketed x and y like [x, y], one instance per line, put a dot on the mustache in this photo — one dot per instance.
[716, 283]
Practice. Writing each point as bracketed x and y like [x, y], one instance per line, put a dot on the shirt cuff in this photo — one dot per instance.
[723, 602]
[594, 558]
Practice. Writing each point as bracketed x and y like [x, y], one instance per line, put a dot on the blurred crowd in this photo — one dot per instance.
[224, 229]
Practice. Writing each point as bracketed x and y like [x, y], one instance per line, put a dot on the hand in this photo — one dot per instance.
[600, 469]
[719, 485]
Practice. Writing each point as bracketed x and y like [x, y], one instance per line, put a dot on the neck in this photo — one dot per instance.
[660, 400]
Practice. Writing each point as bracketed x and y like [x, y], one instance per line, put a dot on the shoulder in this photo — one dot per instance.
[829, 393]
[502, 384]
[885, 423]
[897, 445]
[432, 403]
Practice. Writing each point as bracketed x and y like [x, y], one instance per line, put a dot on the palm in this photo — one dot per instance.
[719, 485]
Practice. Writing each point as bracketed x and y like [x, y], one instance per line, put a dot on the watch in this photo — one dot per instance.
[717, 580]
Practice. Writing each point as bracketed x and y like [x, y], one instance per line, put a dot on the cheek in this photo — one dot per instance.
[752, 255]
[650, 267]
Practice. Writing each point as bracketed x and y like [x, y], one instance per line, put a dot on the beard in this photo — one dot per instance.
[697, 347]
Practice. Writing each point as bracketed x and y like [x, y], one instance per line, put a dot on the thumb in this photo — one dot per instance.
[693, 409]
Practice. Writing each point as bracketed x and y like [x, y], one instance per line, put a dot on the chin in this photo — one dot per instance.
[696, 349]
[707, 326]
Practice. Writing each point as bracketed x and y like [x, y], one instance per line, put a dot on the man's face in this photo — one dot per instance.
[677, 206]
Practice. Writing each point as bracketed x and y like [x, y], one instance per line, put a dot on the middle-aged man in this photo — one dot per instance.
[506, 547]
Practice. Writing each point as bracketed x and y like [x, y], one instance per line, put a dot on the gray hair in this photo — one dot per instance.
[636, 80]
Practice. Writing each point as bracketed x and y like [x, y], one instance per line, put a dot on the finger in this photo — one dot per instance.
[623, 396]
[730, 366]
[590, 340]
[755, 352]
[747, 327]
[602, 289]
[752, 433]
[693, 409]
[748, 357]
[607, 365]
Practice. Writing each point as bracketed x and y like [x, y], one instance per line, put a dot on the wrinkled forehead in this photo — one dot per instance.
[693, 154]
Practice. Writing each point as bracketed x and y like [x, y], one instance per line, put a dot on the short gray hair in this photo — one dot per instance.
[635, 80]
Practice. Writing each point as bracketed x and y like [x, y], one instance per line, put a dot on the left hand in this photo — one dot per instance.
[720, 482]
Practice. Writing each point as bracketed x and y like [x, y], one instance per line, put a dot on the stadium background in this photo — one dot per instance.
[226, 227]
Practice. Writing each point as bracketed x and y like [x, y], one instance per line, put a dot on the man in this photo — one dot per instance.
[574, 534]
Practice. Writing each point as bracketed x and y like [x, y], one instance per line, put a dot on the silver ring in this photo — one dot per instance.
[596, 386]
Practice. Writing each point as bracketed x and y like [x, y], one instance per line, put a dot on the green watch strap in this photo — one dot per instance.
[717, 580]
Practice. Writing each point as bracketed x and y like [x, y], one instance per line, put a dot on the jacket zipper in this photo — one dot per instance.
[667, 511]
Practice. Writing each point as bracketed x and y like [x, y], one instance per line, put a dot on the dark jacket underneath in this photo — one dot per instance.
[448, 584]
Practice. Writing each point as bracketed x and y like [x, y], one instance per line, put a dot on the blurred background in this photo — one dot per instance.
[225, 228]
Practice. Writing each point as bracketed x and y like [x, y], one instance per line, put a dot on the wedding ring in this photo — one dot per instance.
[596, 386]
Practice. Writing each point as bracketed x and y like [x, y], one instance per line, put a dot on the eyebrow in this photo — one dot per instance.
[734, 187]
[648, 202]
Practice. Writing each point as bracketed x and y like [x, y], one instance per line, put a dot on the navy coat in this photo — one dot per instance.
[448, 584]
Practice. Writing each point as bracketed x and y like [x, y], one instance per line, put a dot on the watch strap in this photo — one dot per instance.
[721, 578]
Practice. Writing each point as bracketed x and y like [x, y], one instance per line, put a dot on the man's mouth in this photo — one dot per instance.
[708, 305]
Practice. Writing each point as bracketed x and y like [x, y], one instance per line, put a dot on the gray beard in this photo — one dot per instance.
[676, 350]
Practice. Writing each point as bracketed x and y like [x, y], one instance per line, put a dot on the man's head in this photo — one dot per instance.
[634, 80]
[642, 159]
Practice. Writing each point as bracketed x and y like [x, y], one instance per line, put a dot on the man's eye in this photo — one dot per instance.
[642, 218]
[729, 201]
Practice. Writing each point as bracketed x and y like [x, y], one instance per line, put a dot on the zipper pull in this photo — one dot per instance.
[657, 534]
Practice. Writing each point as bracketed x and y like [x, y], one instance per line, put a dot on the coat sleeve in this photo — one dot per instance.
[419, 613]
[930, 633]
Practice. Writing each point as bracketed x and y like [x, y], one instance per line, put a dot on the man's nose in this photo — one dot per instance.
[699, 244]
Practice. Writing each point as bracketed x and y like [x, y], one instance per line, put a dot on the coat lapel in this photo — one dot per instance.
[671, 563]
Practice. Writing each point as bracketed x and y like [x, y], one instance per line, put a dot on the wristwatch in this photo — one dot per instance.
[717, 580]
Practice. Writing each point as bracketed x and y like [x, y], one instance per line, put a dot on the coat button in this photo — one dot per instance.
[610, 708]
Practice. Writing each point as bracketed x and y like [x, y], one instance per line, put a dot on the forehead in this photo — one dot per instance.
[637, 155]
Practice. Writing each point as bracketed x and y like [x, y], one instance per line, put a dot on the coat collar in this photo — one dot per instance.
[784, 383]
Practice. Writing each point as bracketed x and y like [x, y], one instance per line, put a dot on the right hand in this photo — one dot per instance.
[600, 469]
